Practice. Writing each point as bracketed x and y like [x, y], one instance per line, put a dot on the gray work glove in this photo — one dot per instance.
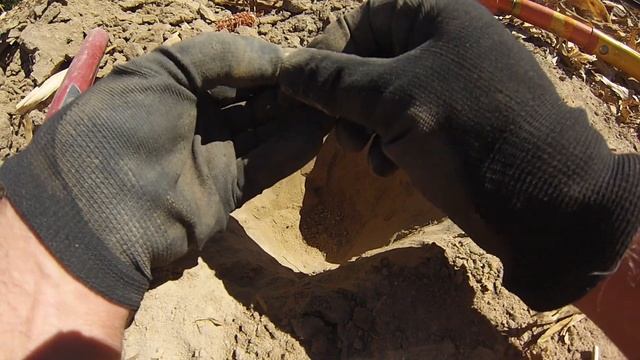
[457, 103]
[148, 164]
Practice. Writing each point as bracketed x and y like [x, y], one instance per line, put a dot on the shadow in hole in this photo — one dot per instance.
[347, 210]
[407, 303]
[73, 345]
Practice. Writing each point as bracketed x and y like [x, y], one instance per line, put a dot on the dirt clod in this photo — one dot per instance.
[5, 130]
[47, 47]
[296, 6]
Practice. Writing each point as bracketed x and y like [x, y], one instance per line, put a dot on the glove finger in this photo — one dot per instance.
[213, 59]
[351, 136]
[342, 36]
[341, 85]
[381, 28]
[282, 154]
[379, 162]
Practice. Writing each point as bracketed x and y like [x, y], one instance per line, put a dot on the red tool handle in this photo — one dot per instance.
[82, 71]
[590, 40]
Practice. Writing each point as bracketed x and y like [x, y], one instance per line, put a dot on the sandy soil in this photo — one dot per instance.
[332, 262]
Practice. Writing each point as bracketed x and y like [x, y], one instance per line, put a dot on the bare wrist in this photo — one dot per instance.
[48, 312]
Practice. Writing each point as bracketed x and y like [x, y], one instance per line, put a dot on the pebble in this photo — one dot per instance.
[133, 50]
[39, 9]
[51, 13]
[6, 130]
[208, 14]
[263, 29]
[270, 19]
[247, 31]
[296, 6]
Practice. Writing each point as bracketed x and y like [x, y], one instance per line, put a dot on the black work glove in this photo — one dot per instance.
[466, 111]
[148, 164]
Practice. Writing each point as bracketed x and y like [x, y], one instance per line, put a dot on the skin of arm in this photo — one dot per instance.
[55, 316]
[46, 312]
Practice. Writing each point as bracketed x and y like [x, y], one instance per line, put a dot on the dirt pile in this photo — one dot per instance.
[331, 262]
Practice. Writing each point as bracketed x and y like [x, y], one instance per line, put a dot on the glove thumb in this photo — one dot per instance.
[342, 85]
[213, 59]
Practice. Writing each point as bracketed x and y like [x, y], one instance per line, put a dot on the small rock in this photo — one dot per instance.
[15, 67]
[192, 6]
[247, 31]
[179, 16]
[51, 13]
[292, 40]
[105, 70]
[208, 14]
[4, 153]
[51, 45]
[119, 59]
[119, 45]
[331, 17]
[6, 131]
[65, 15]
[173, 39]
[270, 19]
[133, 4]
[14, 33]
[39, 9]
[36, 117]
[296, 6]
[263, 29]
[202, 26]
[133, 50]
[148, 19]
[305, 24]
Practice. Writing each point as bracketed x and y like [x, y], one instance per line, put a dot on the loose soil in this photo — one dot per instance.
[330, 263]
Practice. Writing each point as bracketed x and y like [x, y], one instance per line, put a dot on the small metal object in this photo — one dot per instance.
[604, 49]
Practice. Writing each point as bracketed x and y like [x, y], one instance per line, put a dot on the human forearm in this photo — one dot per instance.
[47, 313]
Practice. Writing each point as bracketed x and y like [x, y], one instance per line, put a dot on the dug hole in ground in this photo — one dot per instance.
[330, 263]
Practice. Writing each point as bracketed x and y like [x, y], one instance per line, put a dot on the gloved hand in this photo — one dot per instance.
[466, 111]
[147, 163]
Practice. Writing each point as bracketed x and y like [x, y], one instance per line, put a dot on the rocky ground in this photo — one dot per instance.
[331, 262]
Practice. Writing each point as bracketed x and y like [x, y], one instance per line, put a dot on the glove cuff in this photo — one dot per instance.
[581, 248]
[48, 207]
